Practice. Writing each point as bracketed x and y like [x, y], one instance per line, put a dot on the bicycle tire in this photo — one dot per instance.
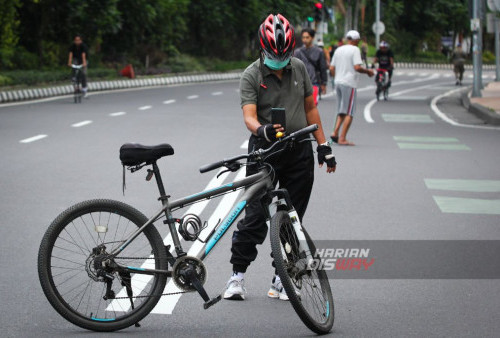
[45, 267]
[279, 222]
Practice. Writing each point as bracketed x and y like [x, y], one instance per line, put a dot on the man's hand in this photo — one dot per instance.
[268, 131]
[325, 155]
[370, 72]
[323, 89]
[69, 64]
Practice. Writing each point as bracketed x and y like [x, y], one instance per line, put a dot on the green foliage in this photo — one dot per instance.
[488, 57]
[37, 77]
[8, 32]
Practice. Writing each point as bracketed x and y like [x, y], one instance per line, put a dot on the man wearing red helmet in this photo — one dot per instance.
[276, 80]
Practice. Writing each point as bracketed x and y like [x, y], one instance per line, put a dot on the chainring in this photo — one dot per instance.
[184, 262]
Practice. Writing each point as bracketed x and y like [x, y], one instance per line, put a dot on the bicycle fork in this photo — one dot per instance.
[284, 203]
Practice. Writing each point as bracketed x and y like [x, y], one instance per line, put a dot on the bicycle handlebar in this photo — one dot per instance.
[292, 136]
[77, 66]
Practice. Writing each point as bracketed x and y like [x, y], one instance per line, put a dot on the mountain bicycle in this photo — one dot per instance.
[382, 81]
[76, 79]
[103, 265]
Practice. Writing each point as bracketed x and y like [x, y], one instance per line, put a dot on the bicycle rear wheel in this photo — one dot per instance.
[73, 249]
[308, 290]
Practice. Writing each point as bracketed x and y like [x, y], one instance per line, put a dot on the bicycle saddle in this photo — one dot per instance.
[135, 154]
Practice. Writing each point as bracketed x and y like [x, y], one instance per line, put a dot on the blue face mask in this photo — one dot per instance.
[275, 65]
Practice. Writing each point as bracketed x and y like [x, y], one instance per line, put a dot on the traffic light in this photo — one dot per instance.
[318, 11]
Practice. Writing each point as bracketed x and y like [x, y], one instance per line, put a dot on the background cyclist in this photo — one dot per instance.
[385, 59]
[78, 53]
[281, 81]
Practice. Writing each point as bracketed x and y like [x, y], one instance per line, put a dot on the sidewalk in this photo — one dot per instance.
[487, 107]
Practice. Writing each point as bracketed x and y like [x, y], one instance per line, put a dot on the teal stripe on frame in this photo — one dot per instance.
[425, 139]
[415, 118]
[457, 205]
[463, 185]
[432, 146]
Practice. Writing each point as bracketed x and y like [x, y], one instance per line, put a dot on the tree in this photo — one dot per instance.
[8, 31]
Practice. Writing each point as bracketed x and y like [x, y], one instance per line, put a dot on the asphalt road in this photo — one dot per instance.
[381, 190]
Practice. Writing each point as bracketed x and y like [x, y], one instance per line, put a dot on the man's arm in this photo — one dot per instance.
[332, 71]
[84, 59]
[251, 121]
[322, 70]
[312, 117]
[362, 70]
[70, 58]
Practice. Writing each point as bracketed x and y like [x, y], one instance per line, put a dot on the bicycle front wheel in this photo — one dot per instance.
[74, 249]
[308, 289]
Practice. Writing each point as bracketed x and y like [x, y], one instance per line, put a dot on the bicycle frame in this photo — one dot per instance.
[255, 186]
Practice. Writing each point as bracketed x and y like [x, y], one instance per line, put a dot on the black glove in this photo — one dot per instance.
[267, 132]
[325, 155]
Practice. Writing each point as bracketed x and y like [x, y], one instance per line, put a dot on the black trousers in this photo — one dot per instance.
[294, 169]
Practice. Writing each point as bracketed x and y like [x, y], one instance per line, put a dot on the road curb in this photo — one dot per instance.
[484, 113]
[95, 86]
[413, 65]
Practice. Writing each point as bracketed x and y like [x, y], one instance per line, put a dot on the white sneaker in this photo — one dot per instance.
[277, 290]
[235, 289]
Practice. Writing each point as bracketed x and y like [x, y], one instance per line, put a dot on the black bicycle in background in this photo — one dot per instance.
[76, 79]
[103, 265]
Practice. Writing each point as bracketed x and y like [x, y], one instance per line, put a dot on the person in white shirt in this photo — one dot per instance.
[345, 66]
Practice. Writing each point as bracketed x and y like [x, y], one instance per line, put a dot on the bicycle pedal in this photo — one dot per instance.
[212, 301]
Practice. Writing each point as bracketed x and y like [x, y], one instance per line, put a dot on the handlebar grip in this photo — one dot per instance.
[303, 131]
[211, 166]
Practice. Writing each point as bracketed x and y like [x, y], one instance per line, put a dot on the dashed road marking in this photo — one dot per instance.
[459, 205]
[168, 101]
[415, 118]
[33, 139]
[145, 107]
[216, 93]
[192, 97]
[463, 185]
[432, 146]
[81, 124]
[118, 113]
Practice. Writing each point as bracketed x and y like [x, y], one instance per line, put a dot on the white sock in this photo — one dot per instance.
[238, 275]
[277, 279]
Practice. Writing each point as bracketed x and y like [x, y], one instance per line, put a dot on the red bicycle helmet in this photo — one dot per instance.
[277, 37]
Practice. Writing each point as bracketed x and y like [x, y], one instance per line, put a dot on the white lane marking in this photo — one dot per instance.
[168, 101]
[398, 73]
[446, 119]
[423, 74]
[367, 111]
[447, 75]
[81, 124]
[118, 113]
[144, 107]
[33, 139]
[411, 74]
[237, 90]
[470, 76]
[192, 97]
[167, 304]
[216, 93]
[143, 280]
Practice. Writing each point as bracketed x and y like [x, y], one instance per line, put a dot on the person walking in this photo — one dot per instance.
[78, 55]
[314, 59]
[458, 59]
[345, 66]
[276, 80]
[364, 52]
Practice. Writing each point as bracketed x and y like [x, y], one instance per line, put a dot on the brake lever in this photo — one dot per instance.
[231, 167]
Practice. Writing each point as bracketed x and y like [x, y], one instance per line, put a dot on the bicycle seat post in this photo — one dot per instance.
[170, 220]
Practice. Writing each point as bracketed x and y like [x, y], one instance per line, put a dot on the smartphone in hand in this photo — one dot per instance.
[278, 116]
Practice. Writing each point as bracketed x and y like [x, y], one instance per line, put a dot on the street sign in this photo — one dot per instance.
[475, 25]
[378, 29]
[494, 5]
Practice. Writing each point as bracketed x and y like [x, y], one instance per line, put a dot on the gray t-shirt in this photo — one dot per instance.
[264, 89]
